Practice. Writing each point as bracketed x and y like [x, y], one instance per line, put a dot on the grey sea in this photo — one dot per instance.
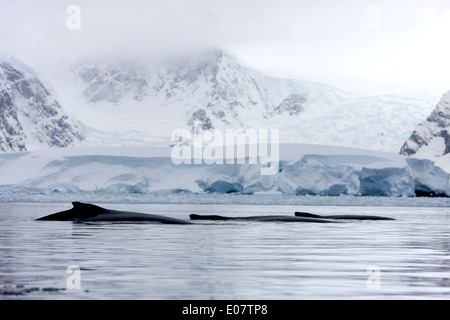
[407, 258]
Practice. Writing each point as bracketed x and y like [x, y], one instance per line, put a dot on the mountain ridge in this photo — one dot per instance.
[117, 103]
[431, 138]
[30, 116]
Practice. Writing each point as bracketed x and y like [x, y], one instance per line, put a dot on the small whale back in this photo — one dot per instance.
[208, 217]
[268, 218]
[307, 215]
[342, 217]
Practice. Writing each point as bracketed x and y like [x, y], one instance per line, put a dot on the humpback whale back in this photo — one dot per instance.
[80, 211]
[208, 217]
[272, 218]
[306, 215]
[85, 212]
[342, 217]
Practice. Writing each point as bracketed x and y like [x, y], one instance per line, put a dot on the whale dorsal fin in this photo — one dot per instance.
[306, 215]
[81, 205]
[86, 210]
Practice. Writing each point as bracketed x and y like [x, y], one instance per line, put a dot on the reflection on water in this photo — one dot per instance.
[226, 259]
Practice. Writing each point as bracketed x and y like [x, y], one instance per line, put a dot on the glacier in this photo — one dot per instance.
[304, 170]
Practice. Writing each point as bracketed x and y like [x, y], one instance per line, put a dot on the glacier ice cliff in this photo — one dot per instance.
[303, 170]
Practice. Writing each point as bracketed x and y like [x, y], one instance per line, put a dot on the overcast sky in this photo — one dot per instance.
[385, 41]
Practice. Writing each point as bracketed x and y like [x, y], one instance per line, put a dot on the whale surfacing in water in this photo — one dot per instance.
[85, 212]
[259, 218]
[342, 217]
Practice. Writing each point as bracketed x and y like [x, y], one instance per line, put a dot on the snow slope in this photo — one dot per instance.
[140, 103]
[304, 169]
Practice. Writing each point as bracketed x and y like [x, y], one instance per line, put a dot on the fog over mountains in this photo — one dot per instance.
[122, 103]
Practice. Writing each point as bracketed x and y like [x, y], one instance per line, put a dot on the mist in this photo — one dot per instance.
[38, 31]
[401, 41]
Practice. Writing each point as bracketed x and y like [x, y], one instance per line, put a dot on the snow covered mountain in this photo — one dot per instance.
[431, 138]
[141, 103]
[212, 87]
[30, 116]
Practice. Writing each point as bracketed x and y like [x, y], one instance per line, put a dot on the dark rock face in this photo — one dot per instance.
[29, 114]
[11, 137]
[436, 126]
[112, 84]
[292, 105]
[201, 116]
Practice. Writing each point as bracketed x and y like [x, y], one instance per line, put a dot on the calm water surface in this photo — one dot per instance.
[407, 258]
